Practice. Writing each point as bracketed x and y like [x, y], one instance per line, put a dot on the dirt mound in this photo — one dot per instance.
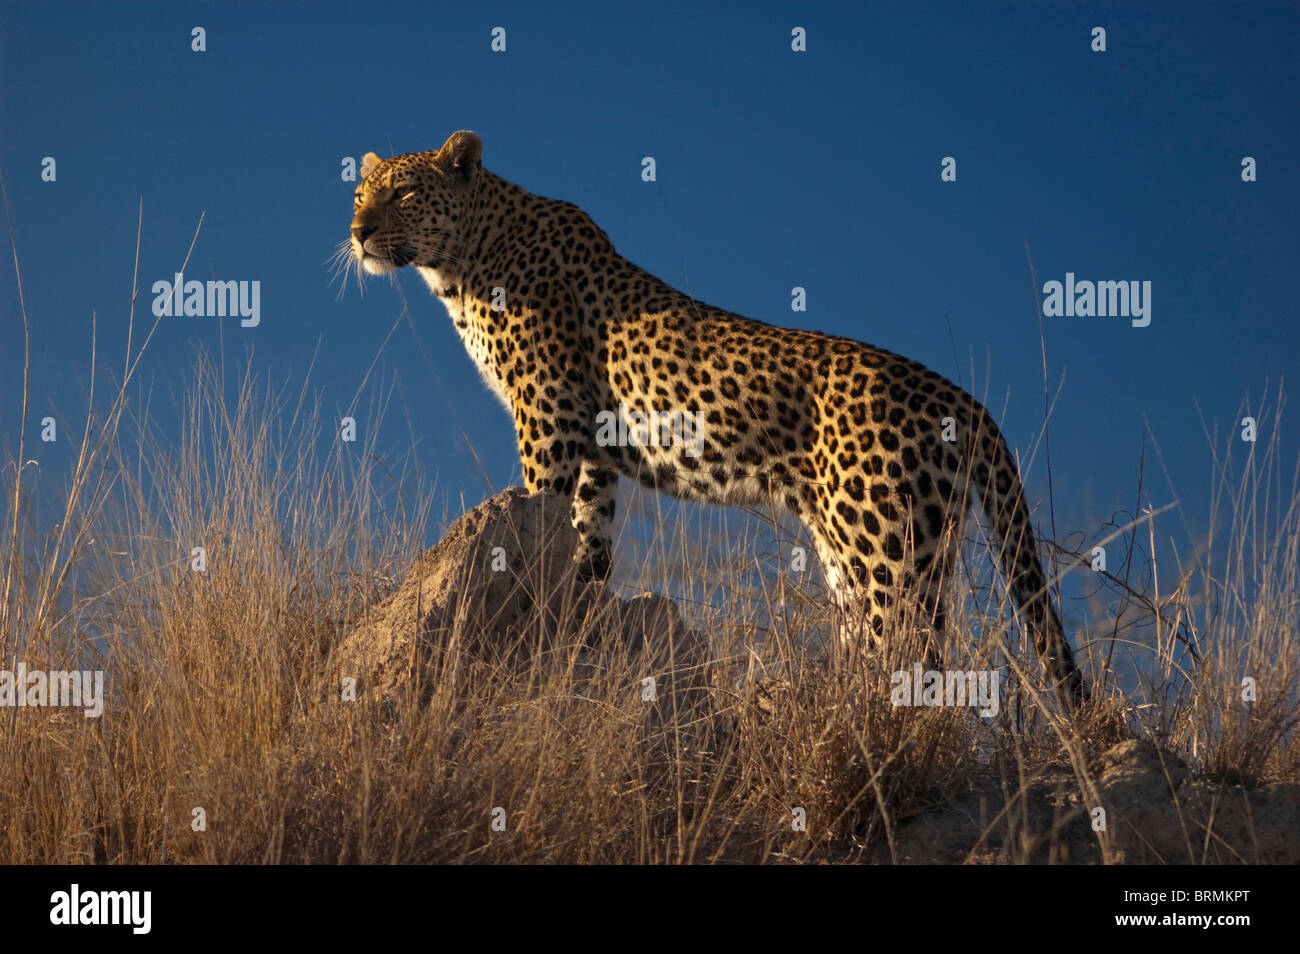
[501, 586]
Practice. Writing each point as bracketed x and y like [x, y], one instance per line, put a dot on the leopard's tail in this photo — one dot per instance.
[996, 479]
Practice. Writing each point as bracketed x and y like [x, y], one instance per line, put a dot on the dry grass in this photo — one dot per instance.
[209, 676]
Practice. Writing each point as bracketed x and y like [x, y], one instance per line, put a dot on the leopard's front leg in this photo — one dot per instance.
[555, 455]
[593, 517]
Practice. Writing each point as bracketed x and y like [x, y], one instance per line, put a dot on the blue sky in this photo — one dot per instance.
[819, 169]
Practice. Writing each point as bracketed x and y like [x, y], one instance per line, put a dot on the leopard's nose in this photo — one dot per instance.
[363, 232]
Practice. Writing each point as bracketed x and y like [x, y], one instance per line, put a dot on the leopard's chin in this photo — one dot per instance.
[374, 265]
[394, 257]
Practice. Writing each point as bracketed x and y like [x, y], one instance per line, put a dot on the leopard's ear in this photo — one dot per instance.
[461, 153]
[368, 163]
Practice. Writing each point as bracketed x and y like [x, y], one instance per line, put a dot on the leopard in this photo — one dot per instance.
[877, 456]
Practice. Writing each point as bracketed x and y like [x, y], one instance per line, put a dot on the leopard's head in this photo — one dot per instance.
[411, 209]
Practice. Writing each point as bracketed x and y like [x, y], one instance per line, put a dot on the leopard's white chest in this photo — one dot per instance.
[477, 341]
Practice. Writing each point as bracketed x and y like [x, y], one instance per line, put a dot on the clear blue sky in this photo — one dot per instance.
[775, 169]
